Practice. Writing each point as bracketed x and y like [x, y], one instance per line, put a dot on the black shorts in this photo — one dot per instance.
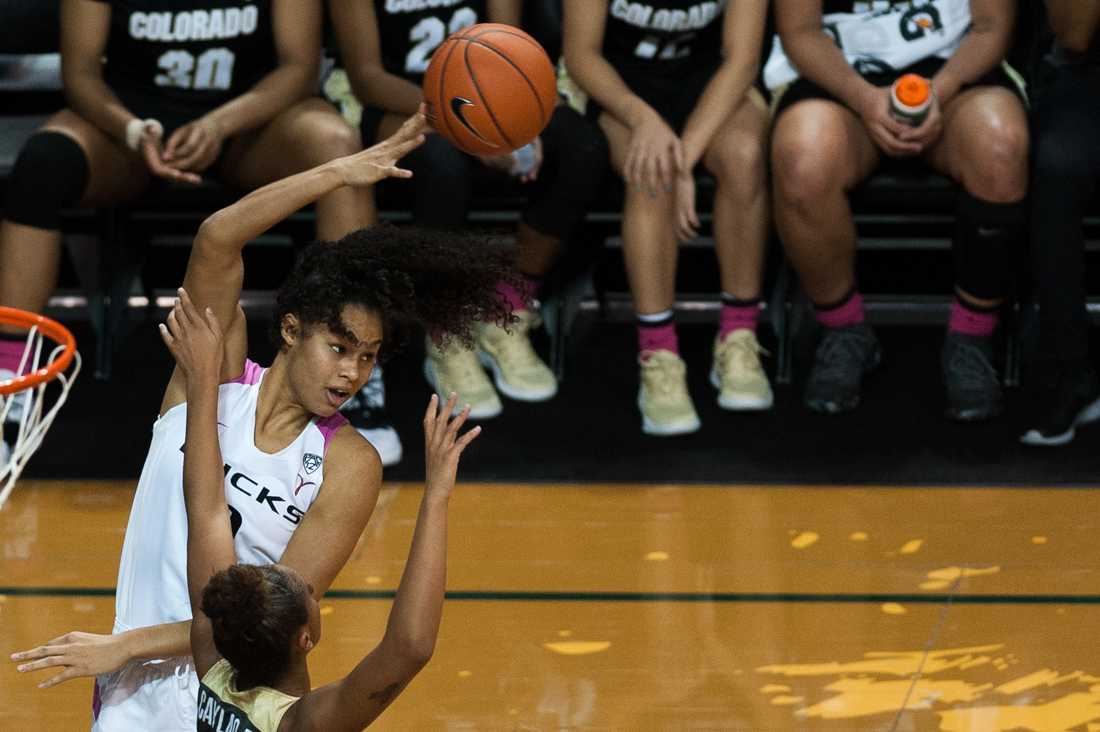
[369, 122]
[672, 98]
[802, 89]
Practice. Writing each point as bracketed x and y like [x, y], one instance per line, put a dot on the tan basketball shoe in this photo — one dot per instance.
[663, 396]
[518, 372]
[456, 369]
[737, 373]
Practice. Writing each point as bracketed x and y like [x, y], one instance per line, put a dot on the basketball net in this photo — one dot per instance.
[24, 410]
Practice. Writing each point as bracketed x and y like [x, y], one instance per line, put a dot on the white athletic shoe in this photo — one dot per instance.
[366, 411]
[737, 373]
[663, 397]
[456, 369]
[518, 372]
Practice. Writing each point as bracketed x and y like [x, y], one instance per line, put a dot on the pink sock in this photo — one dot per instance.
[737, 317]
[972, 322]
[519, 297]
[658, 338]
[10, 354]
[849, 312]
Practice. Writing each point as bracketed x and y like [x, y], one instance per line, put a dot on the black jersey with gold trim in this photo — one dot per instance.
[663, 37]
[199, 53]
[411, 30]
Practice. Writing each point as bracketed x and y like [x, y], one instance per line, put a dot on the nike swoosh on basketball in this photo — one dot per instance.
[458, 107]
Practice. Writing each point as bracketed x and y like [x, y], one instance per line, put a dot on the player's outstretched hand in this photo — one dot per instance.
[443, 445]
[380, 161]
[76, 654]
[194, 339]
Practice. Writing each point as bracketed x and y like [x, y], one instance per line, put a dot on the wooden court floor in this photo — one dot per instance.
[662, 607]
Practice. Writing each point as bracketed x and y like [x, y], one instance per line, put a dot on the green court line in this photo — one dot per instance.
[717, 597]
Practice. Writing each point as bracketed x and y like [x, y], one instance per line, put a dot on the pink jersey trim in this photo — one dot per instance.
[97, 700]
[251, 375]
[329, 426]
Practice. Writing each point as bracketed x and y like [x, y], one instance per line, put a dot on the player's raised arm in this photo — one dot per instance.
[215, 270]
[195, 340]
[353, 702]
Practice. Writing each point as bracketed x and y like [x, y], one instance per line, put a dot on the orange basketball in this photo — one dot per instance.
[490, 89]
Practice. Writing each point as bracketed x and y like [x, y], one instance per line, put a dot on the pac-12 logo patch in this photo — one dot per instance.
[311, 462]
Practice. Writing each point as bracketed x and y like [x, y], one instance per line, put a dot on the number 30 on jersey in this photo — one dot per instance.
[213, 69]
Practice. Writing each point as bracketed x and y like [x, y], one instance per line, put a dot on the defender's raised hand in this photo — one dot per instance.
[443, 445]
[195, 339]
[380, 161]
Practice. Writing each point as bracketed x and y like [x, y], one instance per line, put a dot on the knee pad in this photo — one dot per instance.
[986, 238]
[575, 162]
[49, 174]
[441, 182]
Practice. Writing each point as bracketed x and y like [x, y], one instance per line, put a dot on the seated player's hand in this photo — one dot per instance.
[886, 131]
[195, 146]
[76, 654]
[380, 161]
[929, 131]
[685, 217]
[654, 156]
[195, 340]
[152, 152]
[443, 446]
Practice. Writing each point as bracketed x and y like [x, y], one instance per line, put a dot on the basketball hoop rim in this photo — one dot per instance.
[51, 329]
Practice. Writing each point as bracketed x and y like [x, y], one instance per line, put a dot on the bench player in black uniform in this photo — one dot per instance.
[229, 86]
[671, 83]
[385, 48]
[833, 127]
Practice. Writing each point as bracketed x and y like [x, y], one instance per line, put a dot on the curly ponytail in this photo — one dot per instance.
[443, 281]
[255, 612]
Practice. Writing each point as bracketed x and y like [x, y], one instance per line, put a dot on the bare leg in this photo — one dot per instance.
[306, 135]
[29, 255]
[649, 242]
[736, 158]
[820, 151]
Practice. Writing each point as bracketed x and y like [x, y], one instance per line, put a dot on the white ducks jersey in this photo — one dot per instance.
[268, 495]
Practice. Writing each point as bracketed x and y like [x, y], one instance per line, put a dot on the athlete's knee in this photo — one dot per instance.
[738, 164]
[803, 171]
[330, 137]
[997, 163]
[50, 173]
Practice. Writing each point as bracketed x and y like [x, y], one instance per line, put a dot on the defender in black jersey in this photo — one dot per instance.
[834, 126]
[671, 83]
[385, 48]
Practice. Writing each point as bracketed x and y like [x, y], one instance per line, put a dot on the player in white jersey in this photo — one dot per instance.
[255, 625]
[299, 482]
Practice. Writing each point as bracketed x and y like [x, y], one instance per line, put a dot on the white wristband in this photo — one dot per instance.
[136, 129]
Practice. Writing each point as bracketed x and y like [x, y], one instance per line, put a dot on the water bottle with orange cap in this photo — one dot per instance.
[910, 99]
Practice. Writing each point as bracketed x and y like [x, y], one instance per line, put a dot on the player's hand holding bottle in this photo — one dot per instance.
[195, 340]
[380, 161]
[443, 445]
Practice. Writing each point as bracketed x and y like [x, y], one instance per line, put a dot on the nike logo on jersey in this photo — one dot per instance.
[458, 108]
